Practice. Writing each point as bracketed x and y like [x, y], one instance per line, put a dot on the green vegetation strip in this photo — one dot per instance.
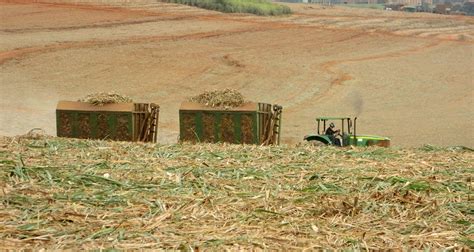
[73, 194]
[257, 7]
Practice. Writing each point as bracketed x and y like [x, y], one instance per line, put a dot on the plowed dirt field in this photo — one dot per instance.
[408, 76]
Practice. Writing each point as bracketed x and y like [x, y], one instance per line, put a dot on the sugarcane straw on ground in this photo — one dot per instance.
[78, 194]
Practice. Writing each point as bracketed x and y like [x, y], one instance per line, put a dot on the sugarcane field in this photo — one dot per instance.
[237, 125]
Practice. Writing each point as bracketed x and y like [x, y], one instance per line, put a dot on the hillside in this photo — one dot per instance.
[408, 76]
[58, 193]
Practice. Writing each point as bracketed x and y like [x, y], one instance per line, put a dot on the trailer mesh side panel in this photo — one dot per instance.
[188, 127]
[251, 123]
[208, 125]
[123, 122]
[122, 131]
[227, 128]
[247, 128]
[65, 124]
[85, 129]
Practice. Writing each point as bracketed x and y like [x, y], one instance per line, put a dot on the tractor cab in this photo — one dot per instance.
[343, 133]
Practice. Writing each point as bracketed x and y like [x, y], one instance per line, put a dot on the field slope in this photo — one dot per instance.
[59, 193]
[408, 76]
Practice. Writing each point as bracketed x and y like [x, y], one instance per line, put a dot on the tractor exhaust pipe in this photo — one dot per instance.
[355, 132]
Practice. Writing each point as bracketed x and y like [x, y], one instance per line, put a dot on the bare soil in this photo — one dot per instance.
[408, 76]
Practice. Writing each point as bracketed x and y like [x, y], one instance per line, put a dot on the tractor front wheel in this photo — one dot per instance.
[316, 143]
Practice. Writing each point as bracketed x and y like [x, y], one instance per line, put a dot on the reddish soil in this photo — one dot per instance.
[405, 75]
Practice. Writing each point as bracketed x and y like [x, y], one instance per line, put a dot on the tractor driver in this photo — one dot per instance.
[333, 134]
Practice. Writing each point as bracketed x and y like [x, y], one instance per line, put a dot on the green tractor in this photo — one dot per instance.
[346, 136]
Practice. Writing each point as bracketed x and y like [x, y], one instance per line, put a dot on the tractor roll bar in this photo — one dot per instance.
[342, 123]
[318, 127]
[355, 135]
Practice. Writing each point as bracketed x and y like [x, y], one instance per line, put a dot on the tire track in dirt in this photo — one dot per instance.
[159, 16]
[341, 76]
[82, 6]
[395, 16]
[24, 52]
[166, 16]
[345, 22]
[139, 12]
[262, 24]
[92, 26]
[231, 18]
[131, 13]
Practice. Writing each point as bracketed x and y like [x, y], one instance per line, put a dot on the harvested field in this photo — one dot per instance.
[408, 76]
[405, 75]
[78, 194]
